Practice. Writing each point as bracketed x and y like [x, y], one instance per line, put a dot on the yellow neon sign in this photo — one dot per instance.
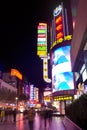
[68, 37]
[59, 98]
[42, 53]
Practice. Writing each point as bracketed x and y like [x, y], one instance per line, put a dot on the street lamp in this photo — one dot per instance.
[16, 98]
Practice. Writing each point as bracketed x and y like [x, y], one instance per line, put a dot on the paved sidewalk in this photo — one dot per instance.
[21, 124]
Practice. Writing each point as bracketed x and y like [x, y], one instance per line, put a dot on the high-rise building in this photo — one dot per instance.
[62, 75]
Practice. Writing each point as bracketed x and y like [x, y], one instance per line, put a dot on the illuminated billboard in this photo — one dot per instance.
[36, 94]
[15, 72]
[62, 77]
[62, 81]
[61, 59]
[59, 22]
[42, 40]
[62, 27]
[31, 92]
[47, 93]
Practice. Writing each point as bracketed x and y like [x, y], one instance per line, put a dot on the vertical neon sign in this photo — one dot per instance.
[59, 22]
[42, 40]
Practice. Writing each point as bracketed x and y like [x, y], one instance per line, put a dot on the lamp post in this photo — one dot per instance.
[16, 101]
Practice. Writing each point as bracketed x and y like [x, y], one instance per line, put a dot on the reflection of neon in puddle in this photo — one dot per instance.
[20, 122]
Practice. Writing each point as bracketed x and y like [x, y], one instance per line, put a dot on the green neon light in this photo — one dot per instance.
[42, 31]
[43, 48]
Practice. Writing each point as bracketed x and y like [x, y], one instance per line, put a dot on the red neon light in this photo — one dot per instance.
[59, 27]
[41, 27]
[58, 20]
[59, 35]
[41, 35]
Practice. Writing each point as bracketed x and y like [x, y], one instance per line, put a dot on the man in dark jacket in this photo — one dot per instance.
[30, 117]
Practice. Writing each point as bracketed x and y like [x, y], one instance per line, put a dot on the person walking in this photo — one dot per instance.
[30, 117]
[45, 117]
[2, 115]
[14, 112]
[50, 111]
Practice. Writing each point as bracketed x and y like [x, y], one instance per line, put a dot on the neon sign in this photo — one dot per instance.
[60, 27]
[59, 35]
[41, 35]
[58, 20]
[42, 40]
[59, 98]
[66, 38]
[57, 11]
[15, 72]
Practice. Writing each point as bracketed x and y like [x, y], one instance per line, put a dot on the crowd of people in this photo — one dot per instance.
[8, 115]
[45, 114]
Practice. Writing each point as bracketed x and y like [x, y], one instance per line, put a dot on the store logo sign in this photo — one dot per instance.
[57, 11]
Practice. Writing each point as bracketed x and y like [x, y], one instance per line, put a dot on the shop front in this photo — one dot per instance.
[60, 102]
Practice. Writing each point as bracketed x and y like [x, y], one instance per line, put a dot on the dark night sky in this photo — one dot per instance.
[18, 36]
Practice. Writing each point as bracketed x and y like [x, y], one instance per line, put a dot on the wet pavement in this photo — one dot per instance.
[39, 124]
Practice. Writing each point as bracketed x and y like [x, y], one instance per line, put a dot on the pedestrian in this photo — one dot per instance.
[45, 117]
[2, 115]
[30, 117]
[50, 112]
[14, 112]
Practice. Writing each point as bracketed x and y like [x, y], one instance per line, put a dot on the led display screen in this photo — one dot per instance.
[62, 81]
[61, 56]
[62, 77]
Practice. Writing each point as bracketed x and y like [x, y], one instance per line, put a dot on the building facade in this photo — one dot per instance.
[62, 75]
[79, 45]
